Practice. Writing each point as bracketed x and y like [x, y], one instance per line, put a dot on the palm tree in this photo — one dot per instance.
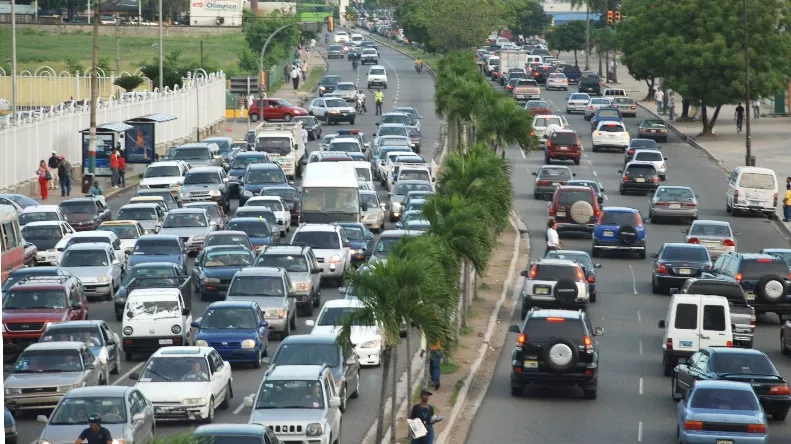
[503, 122]
[457, 98]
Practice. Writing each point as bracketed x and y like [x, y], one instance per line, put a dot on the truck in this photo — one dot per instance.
[330, 193]
[283, 142]
[511, 59]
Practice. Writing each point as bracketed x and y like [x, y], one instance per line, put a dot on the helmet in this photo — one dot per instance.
[94, 418]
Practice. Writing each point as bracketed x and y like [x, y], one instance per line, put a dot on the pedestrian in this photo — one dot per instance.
[121, 169]
[659, 97]
[53, 163]
[64, 173]
[553, 240]
[44, 176]
[313, 45]
[739, 116]
[379, 98]
[295, 77]
[787, 204]
[671, 104]
[114, 178]
[425, 413]
[304, 69]
[304, 136]
[96, 189]
[756, 104]
[287, 71]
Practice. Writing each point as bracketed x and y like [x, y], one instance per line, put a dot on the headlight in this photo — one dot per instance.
[302, 286]
[128, 331]
[189, 401]
[335, 111]
[370, 344]
[214, 193]
[176, 329]
[66, 388]
[198, 239]
[314, 429]
[102, 279]
[321, 88]
[210, 281]
[277, 313]
[248, 343]
[335, 259]
[184, 194]
[247, 193]
[119, 441]
[201, 343]
[13, 391]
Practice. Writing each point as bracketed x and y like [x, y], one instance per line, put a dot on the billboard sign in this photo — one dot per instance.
[104, 147]
[139, 142]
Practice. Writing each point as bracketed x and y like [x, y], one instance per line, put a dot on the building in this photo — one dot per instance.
[216, 12]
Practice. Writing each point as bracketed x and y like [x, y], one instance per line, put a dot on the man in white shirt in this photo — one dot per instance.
[295, 76]
[553, 240]
[361, 102]
[313, 45]
[659, 97]
[304, 136]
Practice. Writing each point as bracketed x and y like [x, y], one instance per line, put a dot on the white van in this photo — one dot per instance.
[693, 322]
[154, 318]
[752, 189]
[533, 59]
[492, 64]
[611, 93]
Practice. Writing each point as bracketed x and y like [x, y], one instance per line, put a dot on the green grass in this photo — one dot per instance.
[448, 367]
[464, 331]
[455, 396]
[38, 48]
[313, 79]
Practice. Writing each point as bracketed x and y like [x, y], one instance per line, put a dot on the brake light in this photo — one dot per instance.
[735, 195]
[588, 343]
[780, 390]
[693, 425]
[756, 428]
[752, 321]
[591, 279]
[625, 179]
[669, 344]
[693, 240]
[533, 271]
[775, 199]
[580, 274]
[661, 269]
[634, 107]
[552, 212]
[656, 179]
[532, 133]
[543, 182]
[764, 260]
[555, 320]
[590, 108]
[549, 144]
[729, 344]
[596, 212]
[521, 340]
[631, 152]
[738, 277]
[728, 243]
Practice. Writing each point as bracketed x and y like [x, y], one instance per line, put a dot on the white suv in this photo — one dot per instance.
[168, 174]
[330, 246]
[377, 76]
[554, 283]
[610, 134]
[341, 37]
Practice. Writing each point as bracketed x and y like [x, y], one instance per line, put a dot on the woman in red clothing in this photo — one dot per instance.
[43, 178]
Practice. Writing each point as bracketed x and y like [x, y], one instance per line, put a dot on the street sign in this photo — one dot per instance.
[242, 85]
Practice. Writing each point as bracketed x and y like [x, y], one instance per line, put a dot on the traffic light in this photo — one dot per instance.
[609, 17]
[617, 16]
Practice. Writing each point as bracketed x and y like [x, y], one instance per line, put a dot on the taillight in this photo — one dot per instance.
[780, 390]
[756, 428]
[549, 144]
[590, 108]
[693, 425]
[631, 152]
[728, 243]
[532, 133]
[625, 179]
[735, 195]
[729, 343]
[738, 277]
[775, 200]
[752, 321]
[634, 107]
[521, 340]
[533, 271]
[580, 274]
[552, 212]
[656, 179]
[591, 279]
[693, 240]
[596, 212]
[588, 343]
[661, 269]
[543, 182]
[669, 344]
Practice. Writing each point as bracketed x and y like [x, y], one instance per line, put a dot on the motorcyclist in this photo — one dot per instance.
[418, 65]
[361, 109]
[354, 64]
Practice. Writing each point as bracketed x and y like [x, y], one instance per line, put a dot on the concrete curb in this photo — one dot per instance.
[493, 321]
[129, 184]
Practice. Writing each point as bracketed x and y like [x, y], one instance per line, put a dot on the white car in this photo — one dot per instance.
[153, 318]
[557, 80]
[377, 76]
[165, 174]
[655, 157]
[102, 237]
[610, 134]
[344, 145]
[577, 102]
[41, 213]
[542, 122]
[186, 383]
[356, 39]
[332, 110]
[374, 215]
[47, 236]
[594, 104]
[276, 204]
[341, 37]
[386, 167]
[366, 339]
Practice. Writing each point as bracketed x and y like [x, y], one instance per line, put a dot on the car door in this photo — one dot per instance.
[186, 320]
[684, 376]
[116, 266]
[350, 371]
[276, 110]
[197, 268]
[731, 182]
[347, 251]
[93, 368]
[333, 413]
[222, 375]
[292, 302]
[714, 326]
[74, 299]
[317, 107]
[137, 428]
[312, 263]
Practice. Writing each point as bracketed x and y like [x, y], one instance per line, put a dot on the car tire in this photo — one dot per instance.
[356, 393]
[293, 322]
[593, 297]
[226, 402]
[117, 368]
[119, 317]
[524, 310]
[621, 191]
[590, 393]
[308, 310]
[351, 122]
[547, 160]
[210, 418]
[254, 117]
[576, 161]
[595, 149]
[641, 254]
[287, 332]
[344, 399]
[257, 363]
[655, 287]
[111, 295]
[317, 300]
[667, 366]
[783, 345]
[536, 196]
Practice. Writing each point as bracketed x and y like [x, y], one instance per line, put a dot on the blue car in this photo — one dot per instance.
[11, 434]
[258, 230]
[238, 167]
[605, 114]
[360, 240]
[257, 177]
[215, 266]
[721, 412]
[782, 253]
[159, 248]
[236, 329]
[619, 229]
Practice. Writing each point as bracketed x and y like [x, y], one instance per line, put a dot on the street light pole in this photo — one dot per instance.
[94, 91]
[161, 50]
[747, 139]
[13, 60]
[261, 65]
[587, 35]
[197, 102]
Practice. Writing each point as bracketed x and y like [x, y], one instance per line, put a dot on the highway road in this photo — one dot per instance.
[406, 87]
[634, 403]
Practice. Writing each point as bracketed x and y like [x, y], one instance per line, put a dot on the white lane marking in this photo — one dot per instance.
[634, 282]
[641, 346]
[640, 431]
[639, 319]
[641, 386]
[585, 155]
[398, 82]
[126, 375]
[523, 153]
[237, 410]
[594, 174]
[606, 198]
[589, 162]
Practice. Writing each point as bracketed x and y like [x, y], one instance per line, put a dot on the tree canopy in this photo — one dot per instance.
[569, 36]
[527, 17]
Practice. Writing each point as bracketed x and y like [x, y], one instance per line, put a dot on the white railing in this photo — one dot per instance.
[36, 134]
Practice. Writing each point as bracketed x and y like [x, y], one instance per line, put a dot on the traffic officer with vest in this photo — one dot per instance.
[379, 98]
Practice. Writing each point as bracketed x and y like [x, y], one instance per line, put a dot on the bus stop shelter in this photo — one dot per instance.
[108, 136]
[141, 140]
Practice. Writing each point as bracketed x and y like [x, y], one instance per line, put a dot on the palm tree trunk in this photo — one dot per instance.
[426, 374]
[474, 285]
[380, 415]
[393, 397]
[408, 368]
[459, 135]
[464, 291]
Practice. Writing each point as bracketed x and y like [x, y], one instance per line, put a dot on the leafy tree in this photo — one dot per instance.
[503, 122]
[527, 17]
[73, 66]
[258, 29]
[174, 68]
[461, 24]
[568, 36]
[129, 82]
[409, 14]
[639, 54]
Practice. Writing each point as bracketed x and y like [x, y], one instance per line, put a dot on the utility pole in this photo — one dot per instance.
[587, 34]
[161, 49]
[117, 48]
[94, 91]
[748, 150]
[13, 61]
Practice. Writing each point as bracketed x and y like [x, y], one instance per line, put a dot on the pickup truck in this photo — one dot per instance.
[526, 89]
[742, 313]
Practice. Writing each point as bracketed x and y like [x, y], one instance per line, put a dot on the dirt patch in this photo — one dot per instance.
[457, 369]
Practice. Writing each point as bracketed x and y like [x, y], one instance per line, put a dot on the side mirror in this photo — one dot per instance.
[514, 328]
[620, 171]
[597, 265]
[535, 174]
[335, 402]
[212, 224]
[598, 331]
[134, 376]
[61, 250]
[545, 137]
[280, 222]
[195, 324]
[41, 418]
[342, 290]
[685, 231]
[291, 182]
[315, 270]
[367, 145]
[654, 255]
[399, 225]
[524, 273]
[351, 360]
[733, 326]
[291, 294]
[573, 174]
[76, 305]
[736, 233]
[138, 417]
[377, 123]
[310, 323]
[264, 324]
[673, 291]
[383, 205]
[185, 311]
[249, 400]
[661, 324]
[665, 158]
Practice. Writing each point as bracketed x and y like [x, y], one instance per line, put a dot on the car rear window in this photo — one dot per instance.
[686, 317]
[649, 157]
[641, 169]
[752, 269]
[618, 218]
[611, 128]
[540, 330]
[568, 197]
[555, 173]
[723, 399]
[643, 143]
[749, 363]
[714, 317]
[544, 121]
[551, 272]
[758, 181]
[564, 138]
[690, 253]
[527, 83]
[703, 229]
[608, 113]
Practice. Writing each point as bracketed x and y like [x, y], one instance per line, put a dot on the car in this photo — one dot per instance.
[585, 261]
[606, 114]
[385, 130]
[155, 200]
[153, 275]
[638, 177]
[341, 37]
[215, 211]
[331, 247]
[655, 157]
[368, 44]
[677, 262]
[274, 109]
[577, 102]
[387, 240]
[206, 184]
[172, 201]
[237, 330]
[332, 110]
[563, 145]
[20, 200]
[96, 266]
[550, 177]
[303, 270]
[85, 213]
[741, 312]
[726, 409]
[167, 174]
[21, 273]
[673, 202]
[234, 433]
[215, 267]
[353, 53]
[557, 80]
[312, 125]
[369, 55]
[298, 402]
[190, 225]
[274, 292]
[752, 190]
[597, 187]
[544, 125]
[119, 247]
[556, 347]
[540, 73]
[239, 165]
[655, 129]
[96, 335]
[513, 73]
[335, 51]
[289, 195]
[554, 283]
[394, 118]
[716, 235]
[399, 192]
[377, 76]
[374, 216]
[626, 105]
[260, 231]
[594, 104]
[538, 107]
[639, 144]
[277, 206]
[366, 340]
[526, 89]
[41, 213]
[345, 145]
[328, 83]
[155, 317]
[346, 91]
[509, 86]
[186, 383]
[590, 82]
[619, 229]
[46, 236]
[410, 216]
[132, 421]
[135, 220]
[159, 248]
[574, 208]
[360, 241]
[11, 434]
[259, 176]
[196, 154]
[228, 238]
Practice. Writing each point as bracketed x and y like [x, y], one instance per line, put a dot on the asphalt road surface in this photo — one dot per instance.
[405, 88]
[634, 403]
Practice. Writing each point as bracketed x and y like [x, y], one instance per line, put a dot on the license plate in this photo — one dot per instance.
[564, 148]
[750, 296]
[608, 233]
[561, 214]
[684, 271]
[685, 344]
[165, 342]
[531, 364]
[675, 206]
[755, 202]
[555, 184]
[724, 441]
[520, 96]
[542, 290]
[639, 179]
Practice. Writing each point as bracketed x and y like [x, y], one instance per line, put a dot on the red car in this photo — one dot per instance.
[575, 208]
[538, 107]
[563, 145]
[275, 109]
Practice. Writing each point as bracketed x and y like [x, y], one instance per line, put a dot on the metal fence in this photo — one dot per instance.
[198, 105]
[276, 74]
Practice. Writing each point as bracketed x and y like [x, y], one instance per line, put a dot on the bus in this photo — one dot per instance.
[330, 193]
[12, 246]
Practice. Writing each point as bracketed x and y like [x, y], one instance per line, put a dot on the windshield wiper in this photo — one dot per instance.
[44, 307]
[160, 375]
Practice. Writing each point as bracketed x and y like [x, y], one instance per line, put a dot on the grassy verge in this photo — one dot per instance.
[313, 79]
[448, 367]
[455, 395]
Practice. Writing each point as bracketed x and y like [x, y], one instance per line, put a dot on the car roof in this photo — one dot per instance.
[342, 303]
[309, 339]
[552, 261]
[166, 163]
[45, 223]
[231, 304]
[555, 313]
[399, 233]
[148, 292]
[621, 209]
[89, 246]
[154, 265]
[263, 166]
[40, 208]
[212, 248]
[249, 219]
[295, 372]
[205, 169]
[57, 345]
[170, 237]
[256, 430]
[574, 188]
[318, 227]
[283, 249]
[182, 350]
[77, 323]
[115, 391]
[345, 139]
[257, 153]
[79, 199]
[136, 206]
[683, 245]
[722, 384]
[260, 271]
[187, 210]
[263, 198]
[710, 222]
[93, 233]
[227, 233]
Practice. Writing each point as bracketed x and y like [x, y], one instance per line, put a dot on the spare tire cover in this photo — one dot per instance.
[560, 355]
[627, 234]
[566, 291]
[771, 288]
[581, 212]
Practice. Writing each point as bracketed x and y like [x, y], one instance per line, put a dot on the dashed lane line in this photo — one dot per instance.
[126, 375]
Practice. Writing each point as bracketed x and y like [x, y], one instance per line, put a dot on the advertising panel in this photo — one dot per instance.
[139, 142]
[104, 147]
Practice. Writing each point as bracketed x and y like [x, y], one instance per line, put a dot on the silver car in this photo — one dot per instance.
[594, 104]
[45, 371]
[626, 105]
[207, 184]
[548, 178]
[373, 214]
[346, 91]
[390, 129]
[126, 413]
[197, 154]
[577, 102]
[715, 235]
[191, 225]
[303, 270]
[149, 215]
[216, 214]
[273, 290]
[330, 246]
[673, 202]
[97, 267]
[400, 190]
[656, 158]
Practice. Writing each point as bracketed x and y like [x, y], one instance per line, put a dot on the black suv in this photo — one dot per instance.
[639, 177]
[556, 347]
[764, 278]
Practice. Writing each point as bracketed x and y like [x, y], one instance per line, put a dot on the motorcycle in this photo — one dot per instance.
[360, 106]
[418, 67]
[354, 64]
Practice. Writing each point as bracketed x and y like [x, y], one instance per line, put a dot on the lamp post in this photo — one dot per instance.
[197, 99]
[748, 151]
[94, 92]
[13, 60]
[587, 35]
[161, 49]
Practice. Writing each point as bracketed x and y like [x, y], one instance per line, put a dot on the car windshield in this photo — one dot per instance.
[392, 131]
[84, 258]
[288, 194]
[225, 258]
[306, 120]
[42, 232]
[262, 177]
[649, 156]
[351, 147]
[298, 394]
[336, 48]
[363, 173]
[345, 87]
[411, 111]
[353, 233]
[22, 273]
[307, 354]
[558, 75]
[526, 82]
[318, 240]
[229, 318]
[369, 199]
[89, 335]
[384, 245]
[394, 140]
[224, 146]
[756, 180]
[404, 188]
[537, 104]
[87, 240]
[273, 205]
[546, 121]
[704, 229]
[667, 193]
[618, 218]
[185, 220]
[335, 315]
[73, 410]
[152, 308]
[201, 178]
[336, 103]
[38, 216]
[579, 97]
[259, 212]
[611, 128]
[81, 207]
[252, 228]
[643, 143]
[291, 263]
[274, 145]
[585, 183]
[137, 214]
[225, 438]
[552, 272]
[785, 255]
[162, 171]
[43, 299]
[240, 162]
[226, 239]
[256, 286]
[157, 247]
[723, 399]
[48, 361]
[396, 118]
[122, 231]
[687, 254]
[175, 369]
[197, 153]
[555, 173]
[376, 71]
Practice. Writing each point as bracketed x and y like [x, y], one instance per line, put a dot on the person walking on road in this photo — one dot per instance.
[379, 98]
[671, 104]
[114, 178]
[64, 173]
[295, 77]
[434, 359]
[312, 45]
[425, 413]
[304, 68]
[787, 204]
[121, 170]
[304, 136]
[756, 104]
[44, 176]
[739, 116]
[553, 240]
[659, 97]
[53, 164]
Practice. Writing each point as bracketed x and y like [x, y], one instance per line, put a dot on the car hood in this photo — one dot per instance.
[146, 258]
[297, 276]
[43, 244]
[199, 162]
[199, 187]
[342, 109]
[226, 334]
[34, 315]
[31, 380]
[278, 416]
[148, 224]
[173, 391]
[66, 433]
[90, 274]
[725, 416]
[326, 254]
[161, 180]
[185, 231]
[359, 334]
[220, 272]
